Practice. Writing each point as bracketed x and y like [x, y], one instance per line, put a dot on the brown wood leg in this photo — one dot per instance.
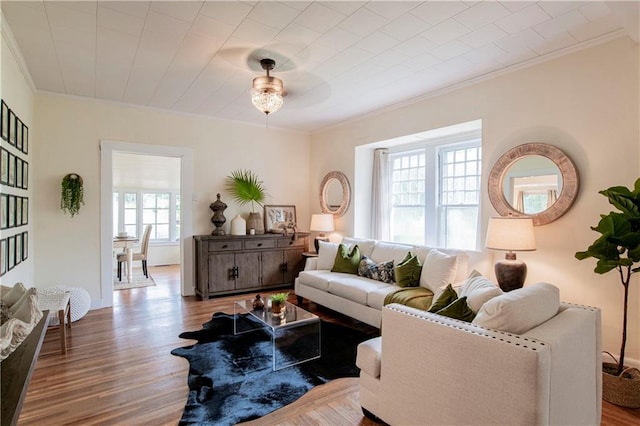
[63, 332]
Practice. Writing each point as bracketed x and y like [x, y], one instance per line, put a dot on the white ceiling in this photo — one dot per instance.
[150, 172]
[338, 60]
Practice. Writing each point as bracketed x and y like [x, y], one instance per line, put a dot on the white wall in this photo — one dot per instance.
[16, 90]
[586, 104]
[70, 130]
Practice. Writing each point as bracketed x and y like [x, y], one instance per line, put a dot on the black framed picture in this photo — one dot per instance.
[18, 211]
[18, 172]
[25, 175]
[4, 211]
[4, 166]
[5, 121]
[25, 210]
[18, 133]
[11, 217]
[25, 245]
[11, 252]
[3, 256]
[25, 139]
[11, 180]
[12, 128]
[18, 249]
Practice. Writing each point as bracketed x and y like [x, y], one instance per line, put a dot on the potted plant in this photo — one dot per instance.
[278, 303]
[244, 187]
[72, 194]
[618, 248]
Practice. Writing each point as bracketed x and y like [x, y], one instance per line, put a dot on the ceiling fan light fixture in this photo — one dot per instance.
[267, 92]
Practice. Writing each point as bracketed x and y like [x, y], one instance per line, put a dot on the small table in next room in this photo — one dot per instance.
[295, 338]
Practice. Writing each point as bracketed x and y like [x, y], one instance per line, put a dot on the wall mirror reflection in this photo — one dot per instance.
[532, 184]
[335, 193]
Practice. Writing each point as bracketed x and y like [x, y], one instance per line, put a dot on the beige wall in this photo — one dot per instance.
[586, 104]
[16, 91]
[70, 130]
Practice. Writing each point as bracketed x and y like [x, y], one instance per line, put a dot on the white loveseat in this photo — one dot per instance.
[362, 298]
[430, 369]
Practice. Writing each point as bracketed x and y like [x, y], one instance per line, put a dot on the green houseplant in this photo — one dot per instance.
[71, 194]
[278, 303]
[618, 248]
[245, 187]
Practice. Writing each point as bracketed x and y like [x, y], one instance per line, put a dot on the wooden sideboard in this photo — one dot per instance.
[231, 264]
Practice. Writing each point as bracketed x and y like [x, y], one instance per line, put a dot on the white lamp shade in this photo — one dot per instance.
[511, 233]
[321, 222]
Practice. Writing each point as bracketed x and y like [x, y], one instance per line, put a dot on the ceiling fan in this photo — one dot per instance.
[267, 92]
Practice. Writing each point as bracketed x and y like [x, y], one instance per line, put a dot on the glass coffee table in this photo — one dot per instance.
[295, 335]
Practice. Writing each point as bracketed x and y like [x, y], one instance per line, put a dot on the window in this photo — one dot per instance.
[142, 208]
[435, 193]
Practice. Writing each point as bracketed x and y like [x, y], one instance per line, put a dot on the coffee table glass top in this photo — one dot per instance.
[293, 314]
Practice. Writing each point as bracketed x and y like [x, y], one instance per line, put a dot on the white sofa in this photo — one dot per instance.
[429, 369]
[362, 298]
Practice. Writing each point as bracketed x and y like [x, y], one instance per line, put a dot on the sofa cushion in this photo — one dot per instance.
[462, 256]
[479, 290]
[383, 271]
[389, 251]
[353, 288]
[347, 260]
[366, 246]
[326, 255]
[317, 279]
[369, 356]
[408, 271]
[520, 310]
[447, 297]
[439, 269]
[376, 297]
[458, 309]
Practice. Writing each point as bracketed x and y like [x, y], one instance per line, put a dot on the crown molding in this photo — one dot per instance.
[7, 36]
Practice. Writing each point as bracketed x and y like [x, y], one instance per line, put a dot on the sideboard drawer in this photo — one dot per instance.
[288, 242]
[259, 244]
[225, 245]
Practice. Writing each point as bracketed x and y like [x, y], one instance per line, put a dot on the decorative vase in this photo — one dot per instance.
[238, 225]
[277, 309]
[218, 219]
[255, 222]
[622, 390]
[258, 303]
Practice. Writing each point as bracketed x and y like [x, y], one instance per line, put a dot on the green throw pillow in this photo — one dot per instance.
[347, 261]
[408, 271]
[458, 310]
[447, 297]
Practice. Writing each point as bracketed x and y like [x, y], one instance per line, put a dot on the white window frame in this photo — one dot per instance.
[173, 231]
[433, 226]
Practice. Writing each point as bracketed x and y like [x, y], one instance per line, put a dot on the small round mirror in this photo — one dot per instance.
[533, 179]
[335, 193]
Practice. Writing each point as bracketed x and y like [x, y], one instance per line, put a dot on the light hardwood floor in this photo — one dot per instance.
[119, 370]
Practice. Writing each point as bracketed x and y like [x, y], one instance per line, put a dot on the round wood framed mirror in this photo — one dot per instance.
[335, 193]
[536, 180]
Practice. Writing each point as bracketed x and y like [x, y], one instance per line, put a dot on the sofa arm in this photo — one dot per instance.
[311, 264]
[436, 370]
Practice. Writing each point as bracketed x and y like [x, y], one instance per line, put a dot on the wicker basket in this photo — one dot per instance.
[622, 390]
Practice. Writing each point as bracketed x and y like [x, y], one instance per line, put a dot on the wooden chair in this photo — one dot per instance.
[142, 255]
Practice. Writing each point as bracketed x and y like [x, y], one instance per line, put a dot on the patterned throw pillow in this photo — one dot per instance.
[376, 271]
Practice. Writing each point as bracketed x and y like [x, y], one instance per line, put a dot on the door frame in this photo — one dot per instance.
[107, 148]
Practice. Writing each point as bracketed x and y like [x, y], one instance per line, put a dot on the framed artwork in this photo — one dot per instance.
[11, 217]
[3, 256]
[25, 210]
[12, 128]
[18, 172]
[25, 175]
[279, 218]
[11, 252]
[18, 211]
[4, 211]
[25, 245]
[25, 139]
[5, 121]
[11, 180]
[4, 166]
[18, 133]
[18, 249]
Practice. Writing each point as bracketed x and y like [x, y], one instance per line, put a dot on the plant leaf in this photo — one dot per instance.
[623, 199]
[244, 187]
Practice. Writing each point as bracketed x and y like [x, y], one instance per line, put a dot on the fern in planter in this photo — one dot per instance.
[72, 194]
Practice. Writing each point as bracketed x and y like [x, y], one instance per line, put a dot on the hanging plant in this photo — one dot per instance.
[72, 194]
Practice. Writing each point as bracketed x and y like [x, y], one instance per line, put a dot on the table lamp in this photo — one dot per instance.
[511, 234]
[322, 223]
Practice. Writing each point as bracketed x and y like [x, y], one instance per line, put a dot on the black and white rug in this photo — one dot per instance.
[231, 380]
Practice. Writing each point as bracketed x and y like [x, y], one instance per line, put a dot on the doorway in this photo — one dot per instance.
[111, 150]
